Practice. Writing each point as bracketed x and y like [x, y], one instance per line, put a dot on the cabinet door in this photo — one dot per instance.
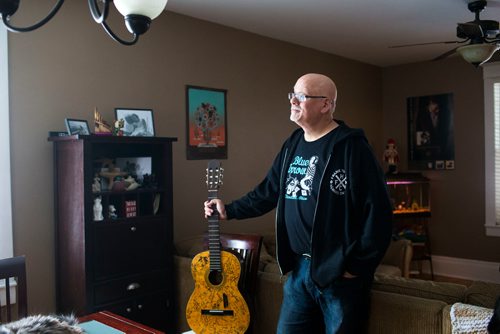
[126, 248]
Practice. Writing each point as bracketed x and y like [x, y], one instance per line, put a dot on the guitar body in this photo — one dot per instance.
[216, 306]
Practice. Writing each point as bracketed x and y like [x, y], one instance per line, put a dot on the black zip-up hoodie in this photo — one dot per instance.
[352, 223]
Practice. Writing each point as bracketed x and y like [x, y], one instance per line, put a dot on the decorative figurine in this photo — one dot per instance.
[132, 184]
[98, 209]
[118, 128]
[101, 127]
[96, 186]
[112, 212]
[391, 157]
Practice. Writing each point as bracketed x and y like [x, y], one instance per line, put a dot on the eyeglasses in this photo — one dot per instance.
[303, 97]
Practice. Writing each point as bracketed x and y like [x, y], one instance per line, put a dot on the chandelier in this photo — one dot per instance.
[137, 14]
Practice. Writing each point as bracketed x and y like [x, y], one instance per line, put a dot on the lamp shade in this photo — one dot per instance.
[149, 8]
[477, 54]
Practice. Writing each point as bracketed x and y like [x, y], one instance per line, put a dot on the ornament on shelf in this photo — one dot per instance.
[391, 156]
[118, 127]
[101, 127]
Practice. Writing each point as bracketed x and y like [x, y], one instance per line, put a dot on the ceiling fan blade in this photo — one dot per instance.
[446, 54]
[428, 43]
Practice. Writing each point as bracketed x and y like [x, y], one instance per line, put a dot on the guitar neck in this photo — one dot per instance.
[214, 245]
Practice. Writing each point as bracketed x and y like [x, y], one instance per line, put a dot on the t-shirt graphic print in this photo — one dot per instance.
[300, 177]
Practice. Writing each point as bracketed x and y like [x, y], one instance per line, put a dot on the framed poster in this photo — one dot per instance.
[430, 132]
[206, 123]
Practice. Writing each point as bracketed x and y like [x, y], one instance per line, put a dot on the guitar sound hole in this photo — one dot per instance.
[215, 277]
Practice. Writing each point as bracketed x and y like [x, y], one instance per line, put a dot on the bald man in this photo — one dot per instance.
[333, 215]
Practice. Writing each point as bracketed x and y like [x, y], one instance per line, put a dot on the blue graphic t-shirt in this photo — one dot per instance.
[301, 190]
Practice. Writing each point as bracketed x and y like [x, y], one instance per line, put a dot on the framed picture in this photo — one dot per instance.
[206, 129]
[137, 122]
[77, 126]
[430, 132]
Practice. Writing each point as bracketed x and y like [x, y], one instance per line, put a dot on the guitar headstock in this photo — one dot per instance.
[214, 175]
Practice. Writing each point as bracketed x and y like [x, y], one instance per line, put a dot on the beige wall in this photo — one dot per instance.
[457, 223]
[70, 66]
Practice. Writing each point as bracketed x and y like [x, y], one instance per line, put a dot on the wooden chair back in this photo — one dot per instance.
[247, 247]
[13, 289]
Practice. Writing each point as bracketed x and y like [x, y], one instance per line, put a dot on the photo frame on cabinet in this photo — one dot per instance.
[137, 122]
[77, 126]
[206, 123]
[430, 132]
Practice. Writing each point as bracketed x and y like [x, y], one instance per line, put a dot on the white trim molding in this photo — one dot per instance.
[491, 75]
[6, 243]
[464, 268]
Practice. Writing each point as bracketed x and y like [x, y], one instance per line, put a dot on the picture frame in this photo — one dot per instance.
[77, 126]
[137, 122]
[206, 123]
[431, 132]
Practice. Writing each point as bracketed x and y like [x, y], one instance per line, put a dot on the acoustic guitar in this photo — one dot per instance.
[216, 306]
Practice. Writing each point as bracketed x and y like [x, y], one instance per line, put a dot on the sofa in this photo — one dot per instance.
[399, 304]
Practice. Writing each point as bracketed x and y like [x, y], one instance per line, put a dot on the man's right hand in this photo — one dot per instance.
[215, 204]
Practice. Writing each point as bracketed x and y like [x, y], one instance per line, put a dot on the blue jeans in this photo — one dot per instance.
[341, 307]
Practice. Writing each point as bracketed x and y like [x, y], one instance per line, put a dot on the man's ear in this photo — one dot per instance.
[327, 106]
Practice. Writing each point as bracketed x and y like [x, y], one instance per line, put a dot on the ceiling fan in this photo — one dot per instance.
[483, 37]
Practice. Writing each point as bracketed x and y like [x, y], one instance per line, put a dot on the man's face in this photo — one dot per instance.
[306, 113]
[433, 107]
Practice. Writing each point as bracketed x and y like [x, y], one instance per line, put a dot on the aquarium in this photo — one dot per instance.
[409, 194]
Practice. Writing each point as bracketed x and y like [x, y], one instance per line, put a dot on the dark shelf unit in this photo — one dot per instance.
[410, 194]
[123, 265]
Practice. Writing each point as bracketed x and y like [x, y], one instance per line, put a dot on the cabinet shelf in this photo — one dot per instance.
[121, 263]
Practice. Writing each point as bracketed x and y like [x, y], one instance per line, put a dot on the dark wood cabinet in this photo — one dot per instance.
[122, 263]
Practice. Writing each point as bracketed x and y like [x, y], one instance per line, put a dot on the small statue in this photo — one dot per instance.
[101, 127]
[391, 156]
[96, 186]
[118, 127]
[112, 212]
[98, 209]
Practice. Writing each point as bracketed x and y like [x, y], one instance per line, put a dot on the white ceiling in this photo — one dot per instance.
[357, 29]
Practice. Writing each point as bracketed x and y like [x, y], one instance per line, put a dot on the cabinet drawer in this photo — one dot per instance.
[130, 247]
[152, 310]
[129, 287]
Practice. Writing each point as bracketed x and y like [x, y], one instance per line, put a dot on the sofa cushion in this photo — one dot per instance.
[385, 269]
[265, 258]
[269, 240]
[448, 292]
[394, 313]
[482, 294]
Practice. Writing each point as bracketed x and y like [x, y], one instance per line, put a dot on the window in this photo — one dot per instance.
[6, 244]
[491, 75]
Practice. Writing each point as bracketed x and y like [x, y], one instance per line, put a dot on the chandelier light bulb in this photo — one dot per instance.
[148, 8]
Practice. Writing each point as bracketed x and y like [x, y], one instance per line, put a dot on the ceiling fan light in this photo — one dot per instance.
[149, 8]
[477, 54]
